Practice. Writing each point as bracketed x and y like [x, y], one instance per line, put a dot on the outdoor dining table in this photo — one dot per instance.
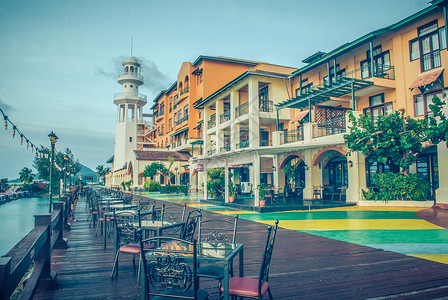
[208, 253]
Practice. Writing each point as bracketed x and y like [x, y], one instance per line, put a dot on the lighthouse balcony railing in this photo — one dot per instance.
[131, 94]
[140, 77]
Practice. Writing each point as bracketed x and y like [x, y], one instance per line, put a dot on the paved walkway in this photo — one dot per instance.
[411, 231]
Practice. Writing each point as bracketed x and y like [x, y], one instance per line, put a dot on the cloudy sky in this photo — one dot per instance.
[60, 59]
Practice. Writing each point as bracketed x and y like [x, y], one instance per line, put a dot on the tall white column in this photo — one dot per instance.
[254, 114]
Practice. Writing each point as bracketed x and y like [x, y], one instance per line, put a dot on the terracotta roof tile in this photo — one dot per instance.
[425, 79]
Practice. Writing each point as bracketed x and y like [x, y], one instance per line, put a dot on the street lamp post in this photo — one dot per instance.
[53, 140]
[65, 173]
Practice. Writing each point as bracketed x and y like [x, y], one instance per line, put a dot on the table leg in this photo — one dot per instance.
[226, 281]
[241, 259]
[104, 232]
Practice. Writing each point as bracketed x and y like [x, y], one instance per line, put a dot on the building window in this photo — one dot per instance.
[374, 167]
[339, 73]
[427, 46]
[381, 63]
[186, 110]
[130, 139]
[378, 107]
[422, 102]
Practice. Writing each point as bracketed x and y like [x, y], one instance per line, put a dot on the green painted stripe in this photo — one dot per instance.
[326, 215]
[361, 237]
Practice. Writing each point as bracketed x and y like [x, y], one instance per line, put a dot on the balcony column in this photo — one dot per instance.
[254, 114]
[204, 180]
[255, 178]
[235, 129]
[279, 174]
[442, 158]
[206, 136]
[219, 132]
[356, 177]
[311, 176]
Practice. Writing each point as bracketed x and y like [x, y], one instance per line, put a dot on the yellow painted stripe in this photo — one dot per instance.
[355, 224]
[441, 258]
[199, 205]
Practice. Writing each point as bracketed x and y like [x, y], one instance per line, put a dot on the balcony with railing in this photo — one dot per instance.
[130, 76]
[226, 148]
[430, 61]
[184, 90]
[132, 95]
[265, 143]
[181, 120]
[265, 106]
[242, 110]
[242, 144]
[225, 117]
[330, 127]
[291, 136]
[212, 122]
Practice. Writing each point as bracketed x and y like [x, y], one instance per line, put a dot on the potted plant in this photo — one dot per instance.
[262, 192]
[232, 191]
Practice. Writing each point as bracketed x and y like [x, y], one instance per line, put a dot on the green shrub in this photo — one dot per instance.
[396, 186]
[152, 186]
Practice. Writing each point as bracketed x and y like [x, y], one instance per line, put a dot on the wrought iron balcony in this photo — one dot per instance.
[225, 148]
[212, 122]
[225, 117]
[330, 127]
[291, 136]
[242, 110]
[181, 120]
[184, 90]
[242, 144]
[265, 106]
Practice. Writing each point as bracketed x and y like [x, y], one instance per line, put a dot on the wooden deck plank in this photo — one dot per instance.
[303, 266]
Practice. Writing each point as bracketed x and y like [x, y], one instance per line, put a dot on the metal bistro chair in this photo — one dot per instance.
[173, 274]
[216, 231]
[183, 230]
[126, 239]
[256, 288]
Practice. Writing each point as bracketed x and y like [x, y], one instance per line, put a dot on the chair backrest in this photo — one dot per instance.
[216, 230]
[267, 255]
[172, 269]
[194, 217]
[126, 233]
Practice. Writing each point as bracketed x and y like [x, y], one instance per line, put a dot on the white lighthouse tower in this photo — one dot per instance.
[129, 111]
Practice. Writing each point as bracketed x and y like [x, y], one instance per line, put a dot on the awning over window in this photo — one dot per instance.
[425, 79]
[300, 116]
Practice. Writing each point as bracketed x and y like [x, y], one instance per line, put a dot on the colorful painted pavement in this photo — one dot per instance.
[395, 229]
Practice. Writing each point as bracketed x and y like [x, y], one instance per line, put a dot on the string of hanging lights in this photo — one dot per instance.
[23, 138]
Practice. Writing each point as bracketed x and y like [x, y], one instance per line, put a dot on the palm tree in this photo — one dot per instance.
[26, 175]
[168, 173]
[101, 172]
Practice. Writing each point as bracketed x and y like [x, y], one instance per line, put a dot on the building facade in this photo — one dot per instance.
[397, 67]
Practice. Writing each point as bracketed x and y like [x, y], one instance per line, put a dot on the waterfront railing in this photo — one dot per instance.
[34, 250]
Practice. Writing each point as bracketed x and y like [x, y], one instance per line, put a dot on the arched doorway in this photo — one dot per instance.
[293, 167]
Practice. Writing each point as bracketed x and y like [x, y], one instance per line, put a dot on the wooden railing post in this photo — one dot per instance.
[5, 271]
[47, 276]
[61, 242]
[66, 201]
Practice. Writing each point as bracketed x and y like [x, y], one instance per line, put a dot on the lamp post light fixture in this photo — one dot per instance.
[53, 140]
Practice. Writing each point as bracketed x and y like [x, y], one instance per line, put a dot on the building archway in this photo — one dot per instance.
[294, 167]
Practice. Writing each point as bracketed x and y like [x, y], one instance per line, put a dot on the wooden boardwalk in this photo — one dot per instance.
[303, 266]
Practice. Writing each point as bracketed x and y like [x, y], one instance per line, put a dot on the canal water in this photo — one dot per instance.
[16, 220]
